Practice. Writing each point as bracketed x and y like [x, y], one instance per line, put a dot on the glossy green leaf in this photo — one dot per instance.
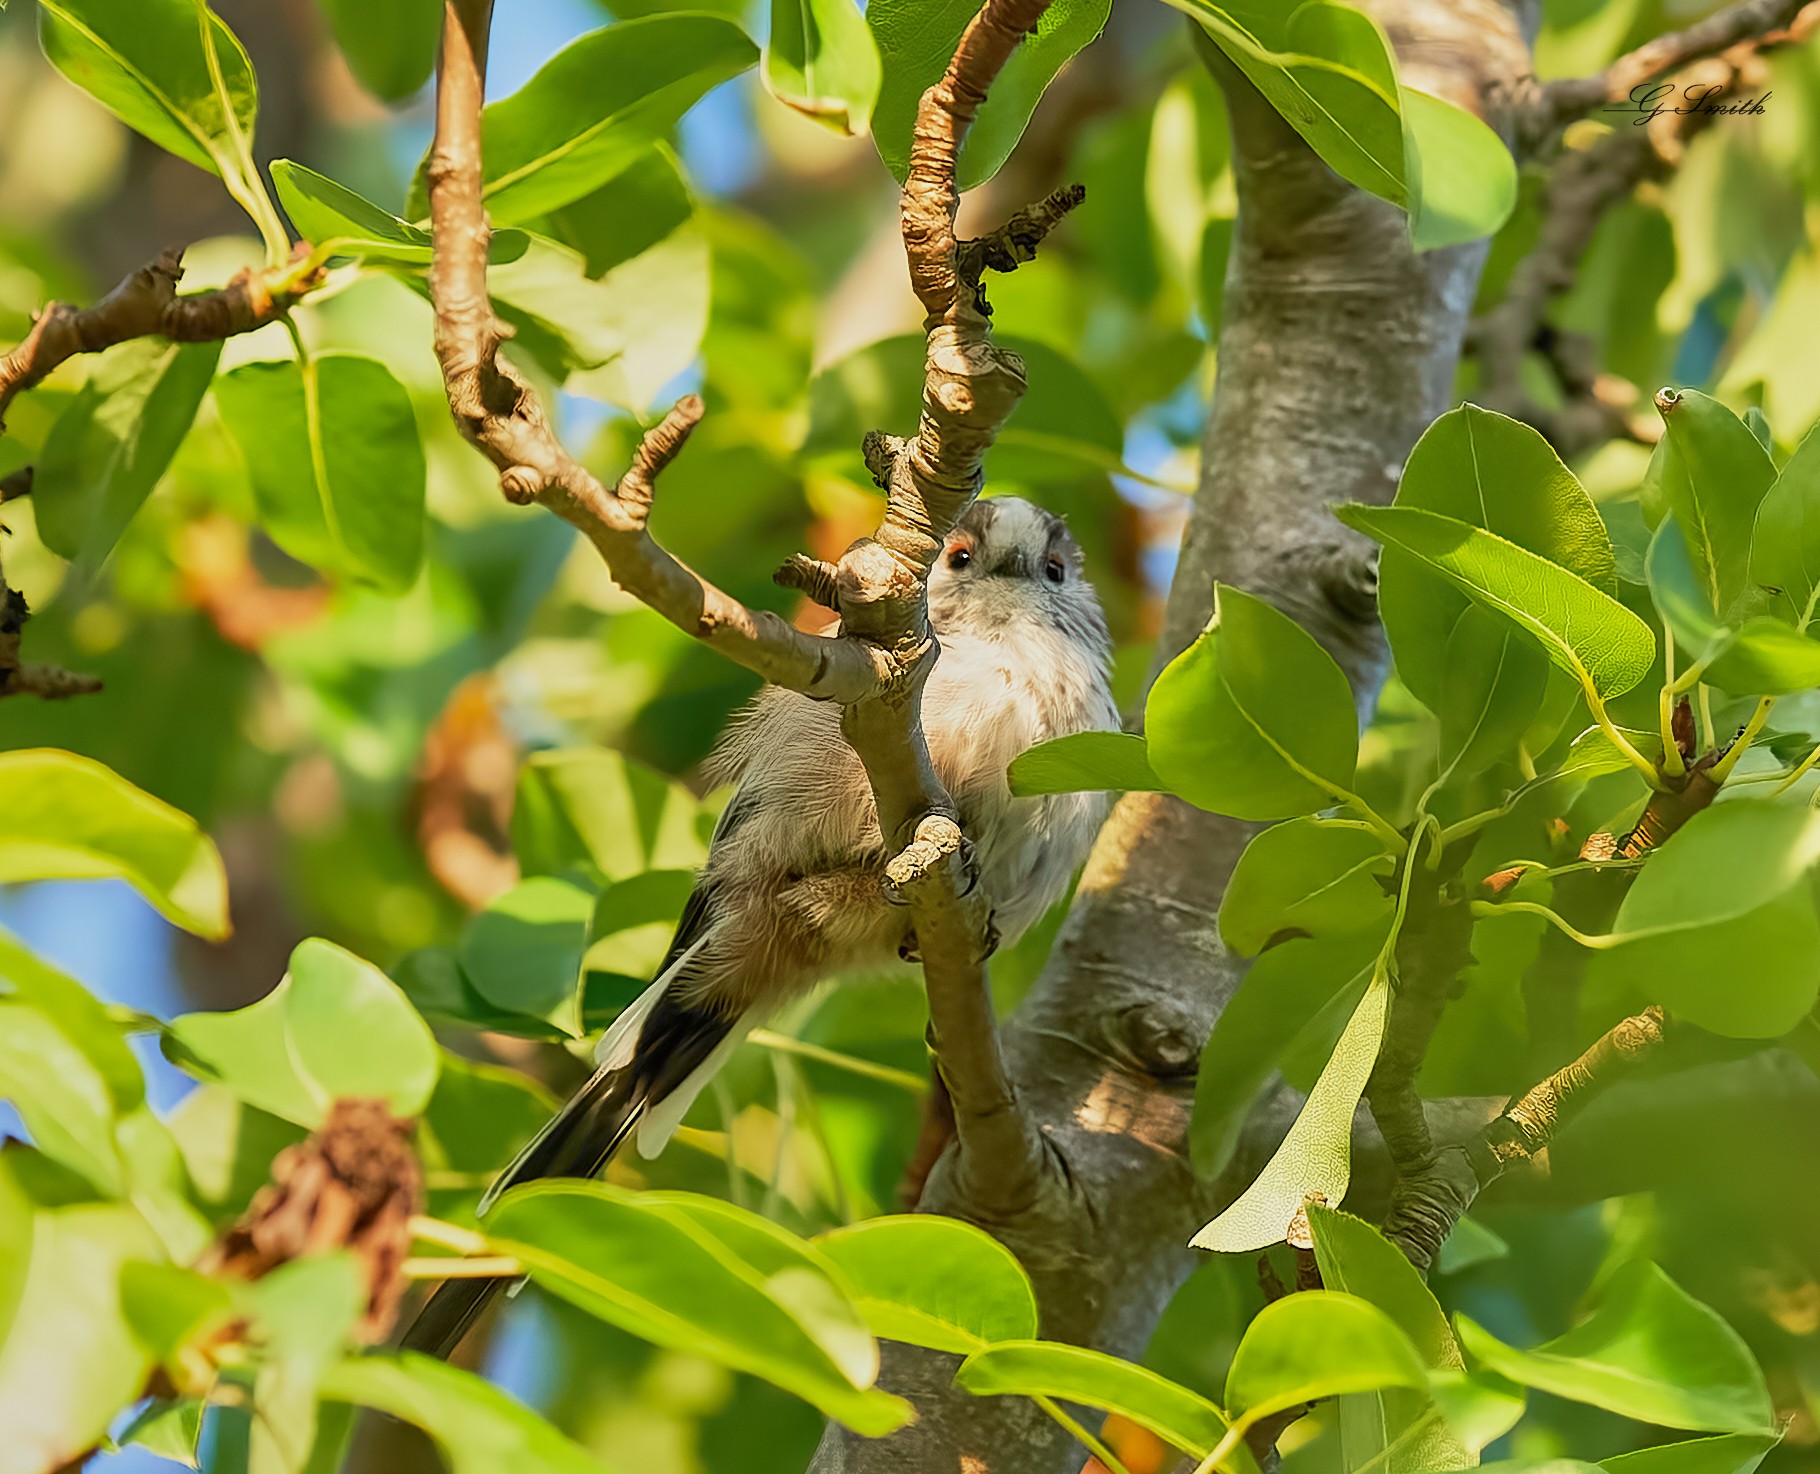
[1730, 883]
[1785, 542]
[589, 806]
[932, 1281]
[1469, 1242]
[595, 107]
[1711, 473]
[81, 1017]
[334, 1027]
[69, 1362]
[65, 817]
[1582, 629]
[631, 929]
[1462, 661]
[1316, 1154]
[1281, 994]
[331, 216]
[478, 1118]
[822, 61]
[1327, 69]
[390, 45]
[1319, 1343]
[110, 446]
[478, 1429]
[1182, 1418]
[1254, 719]
[1305, 877]
[1085, 762]
[916, 39]
[1727, 1453]
[146, 62]
[1650, 1352]
[1462, 178]
[523, 952]
[336, 463]
[627, 216]
[1356, 1259]
[648, 1271]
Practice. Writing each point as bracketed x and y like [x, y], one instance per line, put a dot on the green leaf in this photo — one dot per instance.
[1316, 1154]
[1469, 1242]
[931, 1281]
[590, 806]
[145, 62]
[170, 1309]
[336, 463]
[478, 1429]
[69, 1363]
[1356, 1259]
[303, 1314]
[334, 1027]
[1085, 762]
[60, 1095]
[595, 107]
[916, 40]
[1327, 69]
[227, 1148]
[1649, 1352]
[1730, 884]
[477, 1120]
[391, 45]
[1462, 661]
[822, 61]
[64, 817]
[1728, 1453]
[80, 1016]
[650, 1272]
[1785, 542]
[523, 952]
[1319, 1343]
[1712, 473]
[630, 932]
[1305, 877]
[1280, 995]
[108, 449]
[1184, 1419]
[1582, 629]
[1462, 178]
[1254, 719]
[331, 216]
[621, 338]
[169, 1430]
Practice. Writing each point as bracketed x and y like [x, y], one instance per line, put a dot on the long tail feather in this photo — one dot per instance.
[676, 1039]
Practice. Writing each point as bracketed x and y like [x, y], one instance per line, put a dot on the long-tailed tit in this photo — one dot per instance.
[793, 890]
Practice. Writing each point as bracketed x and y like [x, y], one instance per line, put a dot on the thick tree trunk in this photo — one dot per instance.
[1339, 346]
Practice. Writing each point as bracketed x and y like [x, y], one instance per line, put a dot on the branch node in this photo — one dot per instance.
[521, 484]
[812, 578]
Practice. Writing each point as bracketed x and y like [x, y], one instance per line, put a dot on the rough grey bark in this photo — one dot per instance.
[1339, 345]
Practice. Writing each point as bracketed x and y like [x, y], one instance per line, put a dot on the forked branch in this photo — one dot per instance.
[877, 665]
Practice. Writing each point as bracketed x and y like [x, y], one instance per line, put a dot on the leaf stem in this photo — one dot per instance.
[1554, 918]
[449, 1235]
[1093, 1445]
[1596, 704]
[852, 1064]
[488, 1267]
[1723, 768]
[1797, 773]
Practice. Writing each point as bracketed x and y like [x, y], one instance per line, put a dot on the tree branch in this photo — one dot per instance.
[875, 667]
[145, 305]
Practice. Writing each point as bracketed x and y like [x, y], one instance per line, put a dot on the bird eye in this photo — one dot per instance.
[1055, 570]
[959, 558]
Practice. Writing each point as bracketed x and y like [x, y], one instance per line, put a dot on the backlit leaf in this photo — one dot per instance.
[1305, 877]
[822, 61]
[1084, 763]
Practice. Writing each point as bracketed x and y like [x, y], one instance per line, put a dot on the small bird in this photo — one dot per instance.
[793, 888]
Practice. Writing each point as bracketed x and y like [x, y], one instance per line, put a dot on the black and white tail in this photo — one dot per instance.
[653, 1062]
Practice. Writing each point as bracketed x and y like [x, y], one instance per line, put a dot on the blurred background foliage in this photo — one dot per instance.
[367, 762]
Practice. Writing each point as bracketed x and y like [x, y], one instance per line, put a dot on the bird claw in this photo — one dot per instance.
[989, 939]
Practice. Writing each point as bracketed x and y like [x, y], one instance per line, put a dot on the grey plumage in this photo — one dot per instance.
[792, 890]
